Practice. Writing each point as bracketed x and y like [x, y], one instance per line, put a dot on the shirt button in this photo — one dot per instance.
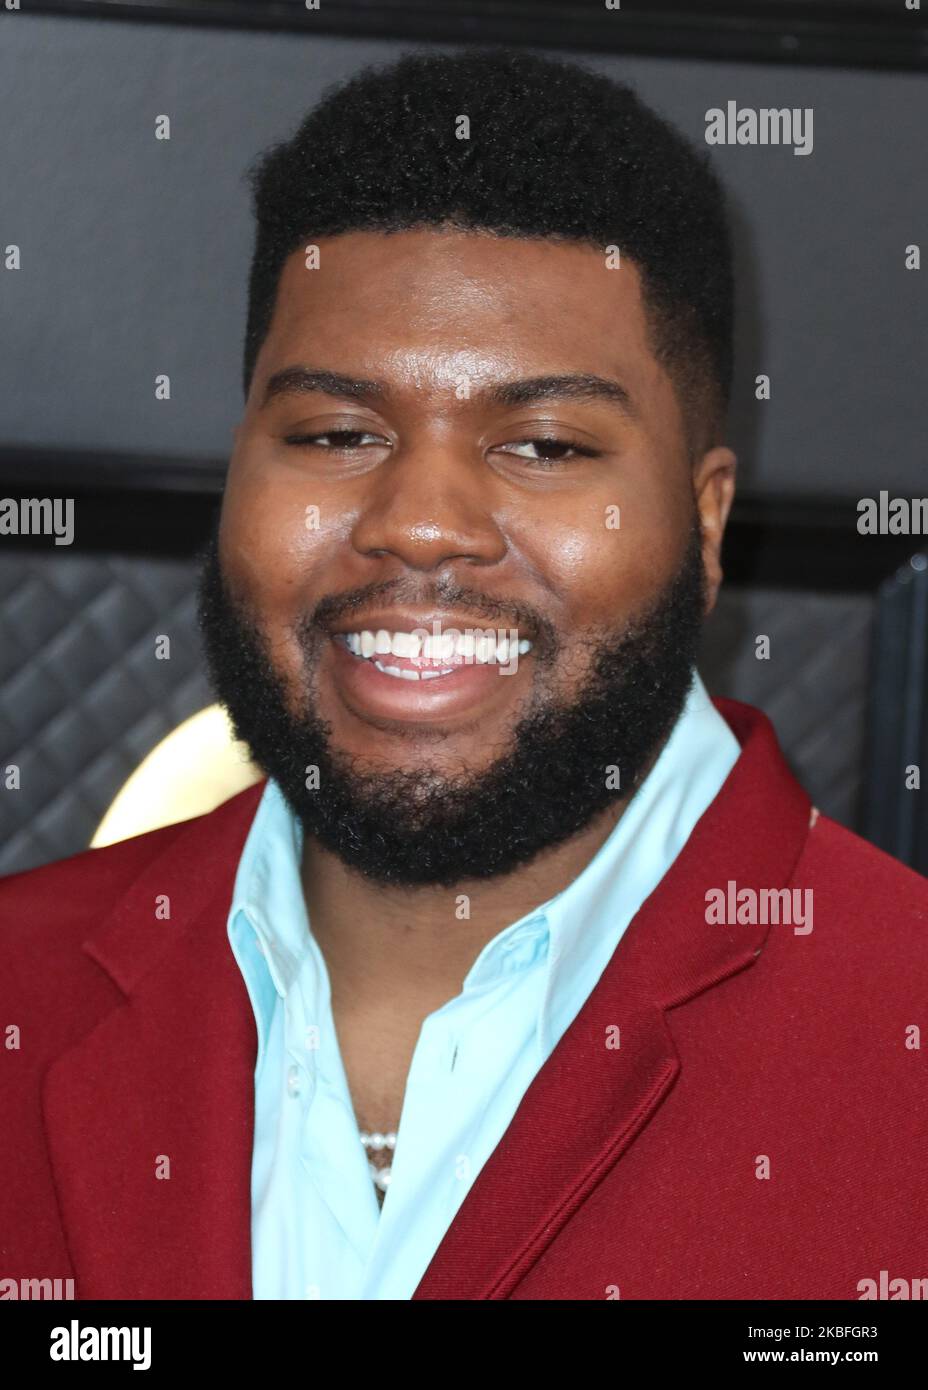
[293, 1081]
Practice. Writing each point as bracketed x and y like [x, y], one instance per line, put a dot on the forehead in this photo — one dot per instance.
[461, 300]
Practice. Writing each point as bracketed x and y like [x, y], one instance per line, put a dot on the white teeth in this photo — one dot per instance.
[439, 646]
[406, 675]
[444, 646]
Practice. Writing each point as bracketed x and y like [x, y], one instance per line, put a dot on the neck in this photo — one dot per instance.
[413, 945]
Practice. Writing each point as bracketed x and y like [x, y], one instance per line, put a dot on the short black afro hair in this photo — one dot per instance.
[555, 151]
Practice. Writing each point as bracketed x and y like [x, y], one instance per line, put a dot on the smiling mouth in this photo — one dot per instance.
[409, 656]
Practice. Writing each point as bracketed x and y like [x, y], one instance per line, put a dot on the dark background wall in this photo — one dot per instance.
[134, 261]
[135, 251]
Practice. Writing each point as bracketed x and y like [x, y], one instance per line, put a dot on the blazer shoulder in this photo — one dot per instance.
[55, 905]
[69, 895]
[871, 881]
[49, 984]
[55, 919]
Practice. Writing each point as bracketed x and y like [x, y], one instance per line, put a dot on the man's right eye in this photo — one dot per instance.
[333, 439]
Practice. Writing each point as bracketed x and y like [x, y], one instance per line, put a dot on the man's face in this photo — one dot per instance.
[419, 498]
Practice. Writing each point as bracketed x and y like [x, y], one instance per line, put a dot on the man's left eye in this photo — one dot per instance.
[548, 450]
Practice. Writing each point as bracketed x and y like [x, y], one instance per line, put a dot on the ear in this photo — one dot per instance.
[714, 491]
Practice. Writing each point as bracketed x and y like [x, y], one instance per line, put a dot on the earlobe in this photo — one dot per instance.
[714, 491]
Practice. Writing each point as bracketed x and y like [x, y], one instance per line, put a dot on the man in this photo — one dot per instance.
[530, 972]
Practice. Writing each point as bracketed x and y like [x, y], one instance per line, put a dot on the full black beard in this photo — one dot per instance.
[424, 827]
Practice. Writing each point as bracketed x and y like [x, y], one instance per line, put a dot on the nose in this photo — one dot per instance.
[427, 505]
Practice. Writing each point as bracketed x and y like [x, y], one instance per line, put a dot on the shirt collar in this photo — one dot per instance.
[578, 929]
[574, 933]
[268, 888]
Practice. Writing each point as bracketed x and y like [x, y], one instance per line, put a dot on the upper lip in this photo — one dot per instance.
[404, 620]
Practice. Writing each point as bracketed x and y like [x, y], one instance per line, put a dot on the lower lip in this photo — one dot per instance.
[373, 693]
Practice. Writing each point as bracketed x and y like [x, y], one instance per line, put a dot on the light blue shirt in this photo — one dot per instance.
[317, 1229]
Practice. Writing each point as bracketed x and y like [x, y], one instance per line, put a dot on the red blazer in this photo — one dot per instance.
[626, 1172]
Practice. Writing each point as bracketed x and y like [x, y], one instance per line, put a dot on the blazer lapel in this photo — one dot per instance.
[149, 1118]
[589, 1101]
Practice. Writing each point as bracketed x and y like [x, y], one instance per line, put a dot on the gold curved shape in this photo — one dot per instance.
[192, 770]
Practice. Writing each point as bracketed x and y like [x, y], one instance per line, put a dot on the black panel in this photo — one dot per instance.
[896, 818]
[858, 33]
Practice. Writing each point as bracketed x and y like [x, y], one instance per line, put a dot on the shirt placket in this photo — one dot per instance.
[330, 1154]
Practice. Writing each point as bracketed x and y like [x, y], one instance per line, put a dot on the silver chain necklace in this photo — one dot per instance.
[377, 1142]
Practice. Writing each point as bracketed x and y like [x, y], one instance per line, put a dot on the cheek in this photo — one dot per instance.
[609, 556]
[273, 544]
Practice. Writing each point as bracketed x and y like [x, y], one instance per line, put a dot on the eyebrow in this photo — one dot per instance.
[583, 386]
